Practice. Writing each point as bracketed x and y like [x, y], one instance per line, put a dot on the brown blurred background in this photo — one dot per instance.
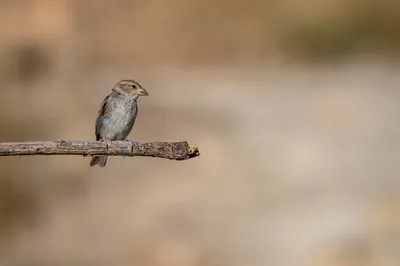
[294, 105]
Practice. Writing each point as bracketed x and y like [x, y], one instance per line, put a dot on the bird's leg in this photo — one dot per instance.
[107, 142]
[127, 140]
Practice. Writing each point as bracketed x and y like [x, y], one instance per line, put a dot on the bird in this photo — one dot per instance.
[117, 115]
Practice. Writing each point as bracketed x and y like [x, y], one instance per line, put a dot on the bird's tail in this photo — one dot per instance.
[100, 160]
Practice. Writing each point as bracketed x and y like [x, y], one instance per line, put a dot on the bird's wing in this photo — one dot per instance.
[102, 112]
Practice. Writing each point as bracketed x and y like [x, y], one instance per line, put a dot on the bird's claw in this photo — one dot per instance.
[107, 142]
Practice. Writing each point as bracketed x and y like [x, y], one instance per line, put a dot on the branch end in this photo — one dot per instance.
[193, 151]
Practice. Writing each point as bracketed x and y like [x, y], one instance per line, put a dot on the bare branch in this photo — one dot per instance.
[168, 150]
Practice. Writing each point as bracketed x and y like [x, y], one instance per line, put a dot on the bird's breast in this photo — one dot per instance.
[119, 121]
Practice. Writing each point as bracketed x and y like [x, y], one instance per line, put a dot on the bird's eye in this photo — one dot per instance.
[134, 86]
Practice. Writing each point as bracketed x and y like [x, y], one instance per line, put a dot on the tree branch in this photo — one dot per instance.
[168, 150]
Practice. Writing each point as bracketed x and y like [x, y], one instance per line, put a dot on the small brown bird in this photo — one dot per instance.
[117, 114]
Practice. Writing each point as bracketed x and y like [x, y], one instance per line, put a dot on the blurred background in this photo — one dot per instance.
[294, 105]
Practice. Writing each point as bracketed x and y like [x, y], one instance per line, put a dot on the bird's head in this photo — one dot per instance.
[130, 88]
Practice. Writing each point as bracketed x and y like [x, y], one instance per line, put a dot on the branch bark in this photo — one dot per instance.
[167, 150]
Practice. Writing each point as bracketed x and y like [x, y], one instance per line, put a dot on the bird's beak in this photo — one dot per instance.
[143, 92]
